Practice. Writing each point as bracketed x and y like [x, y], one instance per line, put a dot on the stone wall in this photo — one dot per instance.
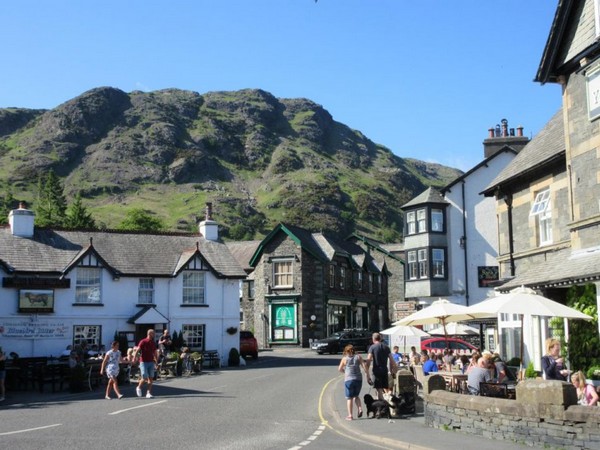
[545, 414]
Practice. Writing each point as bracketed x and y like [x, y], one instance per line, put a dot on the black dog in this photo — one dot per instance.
[378, 408]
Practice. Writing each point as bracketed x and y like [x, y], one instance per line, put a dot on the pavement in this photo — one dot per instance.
[407, 432]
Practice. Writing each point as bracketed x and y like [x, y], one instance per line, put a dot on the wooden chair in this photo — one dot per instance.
[94, 378]
[51, 374]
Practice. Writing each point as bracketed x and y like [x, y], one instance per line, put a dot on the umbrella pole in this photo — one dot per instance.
[445, 333]
[521, 363]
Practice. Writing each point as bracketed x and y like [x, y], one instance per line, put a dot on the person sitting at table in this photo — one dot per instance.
[473, 361]
[479, 374]
[449, 359]
[439, 360]
[429, 365]
[67, 352]
[413, 357]
[586, 393]
[501, 372]
[463, 363]
[396, 355]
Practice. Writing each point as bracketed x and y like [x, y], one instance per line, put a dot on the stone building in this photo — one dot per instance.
[548, 198]
[305, 286]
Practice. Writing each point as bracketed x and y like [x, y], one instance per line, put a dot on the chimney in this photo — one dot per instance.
[208, 227]
[21, 221]
[501, 136]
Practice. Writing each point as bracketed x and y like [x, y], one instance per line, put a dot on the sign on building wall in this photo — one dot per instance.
[284, 322]
[27, 329]
[36, 300]
[487, 275]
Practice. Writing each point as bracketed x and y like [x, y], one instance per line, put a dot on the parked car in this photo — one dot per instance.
[248, 344]
[360, 339]
[438, 344]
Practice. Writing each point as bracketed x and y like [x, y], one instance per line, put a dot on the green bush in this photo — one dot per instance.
[593, 373]
[234, 357]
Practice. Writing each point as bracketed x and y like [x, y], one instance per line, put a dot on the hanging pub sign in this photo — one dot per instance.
[36, 300]
[486, 275]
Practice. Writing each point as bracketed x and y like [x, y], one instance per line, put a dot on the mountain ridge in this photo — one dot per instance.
[258, 158]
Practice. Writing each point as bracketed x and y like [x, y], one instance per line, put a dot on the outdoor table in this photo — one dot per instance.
[453, 379]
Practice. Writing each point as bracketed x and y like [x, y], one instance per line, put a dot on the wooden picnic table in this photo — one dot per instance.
[454, 380]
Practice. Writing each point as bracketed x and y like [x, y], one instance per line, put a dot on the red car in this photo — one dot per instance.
[248, 344]
[438, 344]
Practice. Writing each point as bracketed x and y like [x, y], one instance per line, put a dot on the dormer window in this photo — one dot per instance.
[87, 289]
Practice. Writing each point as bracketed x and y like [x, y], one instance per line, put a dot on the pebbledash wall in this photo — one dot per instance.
[545, 414]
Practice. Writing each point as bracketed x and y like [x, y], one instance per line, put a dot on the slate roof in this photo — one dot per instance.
[126, 253]
[242, 251]
[320, 246]
[547, 147]
[430, 195]
[558, 270]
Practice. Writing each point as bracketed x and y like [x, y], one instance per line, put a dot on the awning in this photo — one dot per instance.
[148, 315]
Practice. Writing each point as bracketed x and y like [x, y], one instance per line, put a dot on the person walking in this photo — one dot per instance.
[110, 366]
[350, 366]
[380, 355]
[148, 362]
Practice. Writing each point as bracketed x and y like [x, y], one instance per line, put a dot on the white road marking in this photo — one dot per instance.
[30, 429]
[136, 407]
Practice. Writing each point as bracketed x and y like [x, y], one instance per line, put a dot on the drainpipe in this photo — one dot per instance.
[464, 223]
[508, 199]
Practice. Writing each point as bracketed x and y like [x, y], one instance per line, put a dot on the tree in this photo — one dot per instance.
[139, 220]
[51, 203]
[6, 204]
[78, 217]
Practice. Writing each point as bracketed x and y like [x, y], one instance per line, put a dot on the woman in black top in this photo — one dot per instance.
[553, 365]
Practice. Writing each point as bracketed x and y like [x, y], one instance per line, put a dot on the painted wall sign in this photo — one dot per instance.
[27, 329]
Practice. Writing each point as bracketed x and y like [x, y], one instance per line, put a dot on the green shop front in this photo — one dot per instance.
[283, 315]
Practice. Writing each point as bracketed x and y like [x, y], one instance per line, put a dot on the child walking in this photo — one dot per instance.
[111, 364]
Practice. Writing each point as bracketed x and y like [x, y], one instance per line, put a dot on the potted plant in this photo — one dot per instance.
[234, 357]
[530, 372]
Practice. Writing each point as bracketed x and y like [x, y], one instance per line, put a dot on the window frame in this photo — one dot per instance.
[413, 268]
[95, 339]
[193, 294]
[438, 264]
[359, 280]
[279, 276]
[423, 263]
[411, 222]
[332, 276]
[544, 222]
[342, 280]
[89, 284]
[187, 328]
[439, 213]
[422, 220]
[144, 291]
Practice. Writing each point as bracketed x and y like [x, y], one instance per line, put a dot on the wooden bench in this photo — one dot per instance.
[211, 358]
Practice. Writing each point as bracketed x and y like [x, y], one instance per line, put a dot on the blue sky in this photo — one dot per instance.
[425, 78]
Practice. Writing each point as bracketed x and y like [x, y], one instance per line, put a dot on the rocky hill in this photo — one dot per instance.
[259, 159]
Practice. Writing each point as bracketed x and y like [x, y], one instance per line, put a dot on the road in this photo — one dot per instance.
[272, 403]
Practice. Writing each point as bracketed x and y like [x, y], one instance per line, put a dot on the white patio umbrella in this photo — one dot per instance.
[404, 331]
[441, 312]
[456, 329]
[524, 301]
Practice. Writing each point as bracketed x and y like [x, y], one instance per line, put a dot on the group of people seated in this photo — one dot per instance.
[554, 368]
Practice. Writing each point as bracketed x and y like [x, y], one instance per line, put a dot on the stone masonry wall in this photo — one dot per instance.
[543, 416]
